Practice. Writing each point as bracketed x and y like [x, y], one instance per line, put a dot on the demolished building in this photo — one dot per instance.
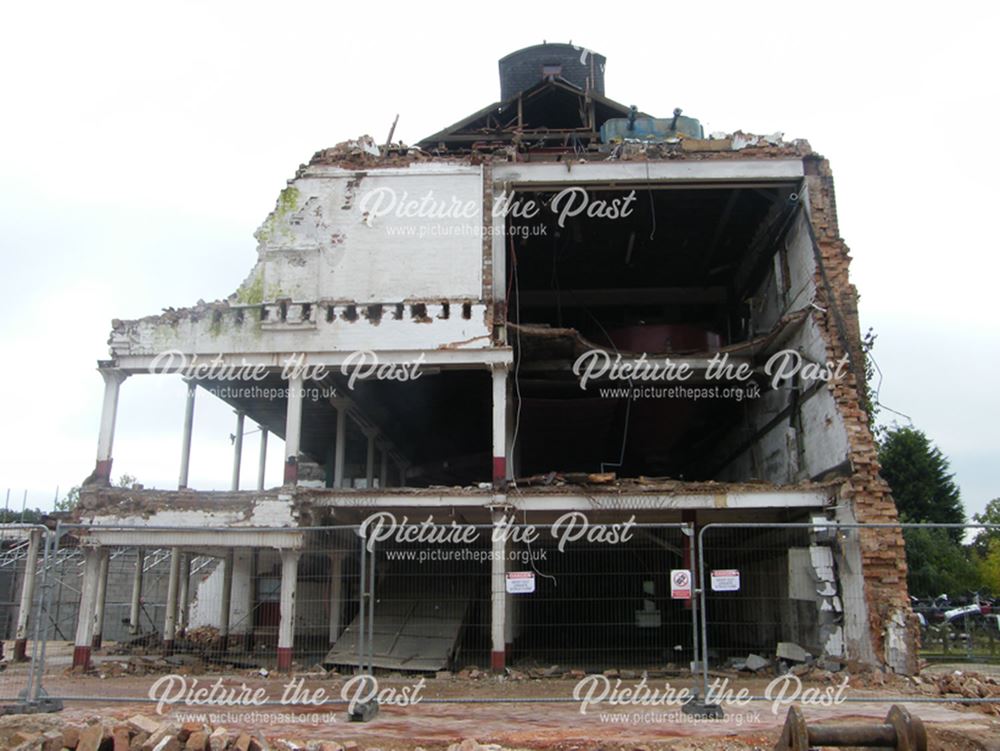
[517, 277]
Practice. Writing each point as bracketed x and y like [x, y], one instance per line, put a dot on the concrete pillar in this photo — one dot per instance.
[136, 603]
[85, 617]
[262, 458]
[383, 466]
[286, 621]
[370, 461]
[499, 426]
[225, 607]
[340, 448]
[182, 481]
[27, 596]
[237, 451]
[336, 594]
[170, 618]
[184, 594]
[511, 451]
[511, 628]
[498, 614]
[100, 599]
[293, 429]
[109, 411]
[241, 599]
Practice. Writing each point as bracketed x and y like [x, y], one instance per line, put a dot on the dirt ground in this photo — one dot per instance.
[527, 713]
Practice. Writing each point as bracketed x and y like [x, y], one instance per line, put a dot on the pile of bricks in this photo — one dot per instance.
[144, 733]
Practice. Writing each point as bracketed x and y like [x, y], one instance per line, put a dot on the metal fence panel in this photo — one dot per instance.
[24, 568]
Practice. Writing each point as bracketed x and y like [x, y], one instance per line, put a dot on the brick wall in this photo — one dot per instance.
[882, 551]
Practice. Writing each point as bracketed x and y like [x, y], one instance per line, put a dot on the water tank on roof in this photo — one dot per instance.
[523, 69]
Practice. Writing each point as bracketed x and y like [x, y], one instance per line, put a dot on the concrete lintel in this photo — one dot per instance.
[565, 173]
[527, 501]
[436, 168]
[235, 538]
[440, 358]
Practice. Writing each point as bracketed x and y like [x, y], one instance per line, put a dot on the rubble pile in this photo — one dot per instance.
[203, 636]
[967, 685]
[145, 733]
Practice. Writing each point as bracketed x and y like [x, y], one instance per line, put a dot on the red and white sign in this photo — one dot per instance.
[726, 580]
[680, 584]
[520, 582]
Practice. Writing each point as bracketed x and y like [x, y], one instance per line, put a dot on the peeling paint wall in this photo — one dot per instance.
[376, 236]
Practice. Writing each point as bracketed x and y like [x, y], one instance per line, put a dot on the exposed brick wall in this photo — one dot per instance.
[883, 554]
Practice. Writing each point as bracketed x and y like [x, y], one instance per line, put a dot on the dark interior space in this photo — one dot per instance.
[670, 278]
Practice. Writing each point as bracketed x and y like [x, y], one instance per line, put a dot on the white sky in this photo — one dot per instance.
[141, 145]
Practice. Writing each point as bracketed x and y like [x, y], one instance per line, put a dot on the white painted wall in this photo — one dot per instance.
[385, 235]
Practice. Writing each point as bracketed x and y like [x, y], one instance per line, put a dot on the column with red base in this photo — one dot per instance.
[113, 378]
[27, 596]
[498, 616]
[499, 426]
[88, 599]
[100, 599]
[286, 622]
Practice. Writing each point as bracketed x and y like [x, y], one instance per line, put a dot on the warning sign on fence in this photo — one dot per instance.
[680, 584]
[726, 580]
[520, 582]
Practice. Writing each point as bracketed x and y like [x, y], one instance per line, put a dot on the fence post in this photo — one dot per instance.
[361, 601]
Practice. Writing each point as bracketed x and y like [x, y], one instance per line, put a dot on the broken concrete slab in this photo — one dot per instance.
[792, 652]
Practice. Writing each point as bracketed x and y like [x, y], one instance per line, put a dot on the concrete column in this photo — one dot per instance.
[293, 429]
[241, 599]
[286, 622]
[184, 594]
[113, 379]
[85, 617]
[27, 596]
[182, 482]
[262, 458]
[370, 461]
[339, 448]
[225, 606]
[499, 426]
[511, 628]
[170, 618]
[100, 599]
[336, 594]
[383, 466]
[511, 451]
[136, 604]
[498, 615]
[237, 451]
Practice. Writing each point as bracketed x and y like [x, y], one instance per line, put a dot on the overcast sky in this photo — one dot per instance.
[141, 146]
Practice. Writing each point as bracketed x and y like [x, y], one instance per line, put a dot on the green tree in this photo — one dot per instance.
[988, 565]
[990, 515]
[939, 565]
[920, 478]
[68, 502]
